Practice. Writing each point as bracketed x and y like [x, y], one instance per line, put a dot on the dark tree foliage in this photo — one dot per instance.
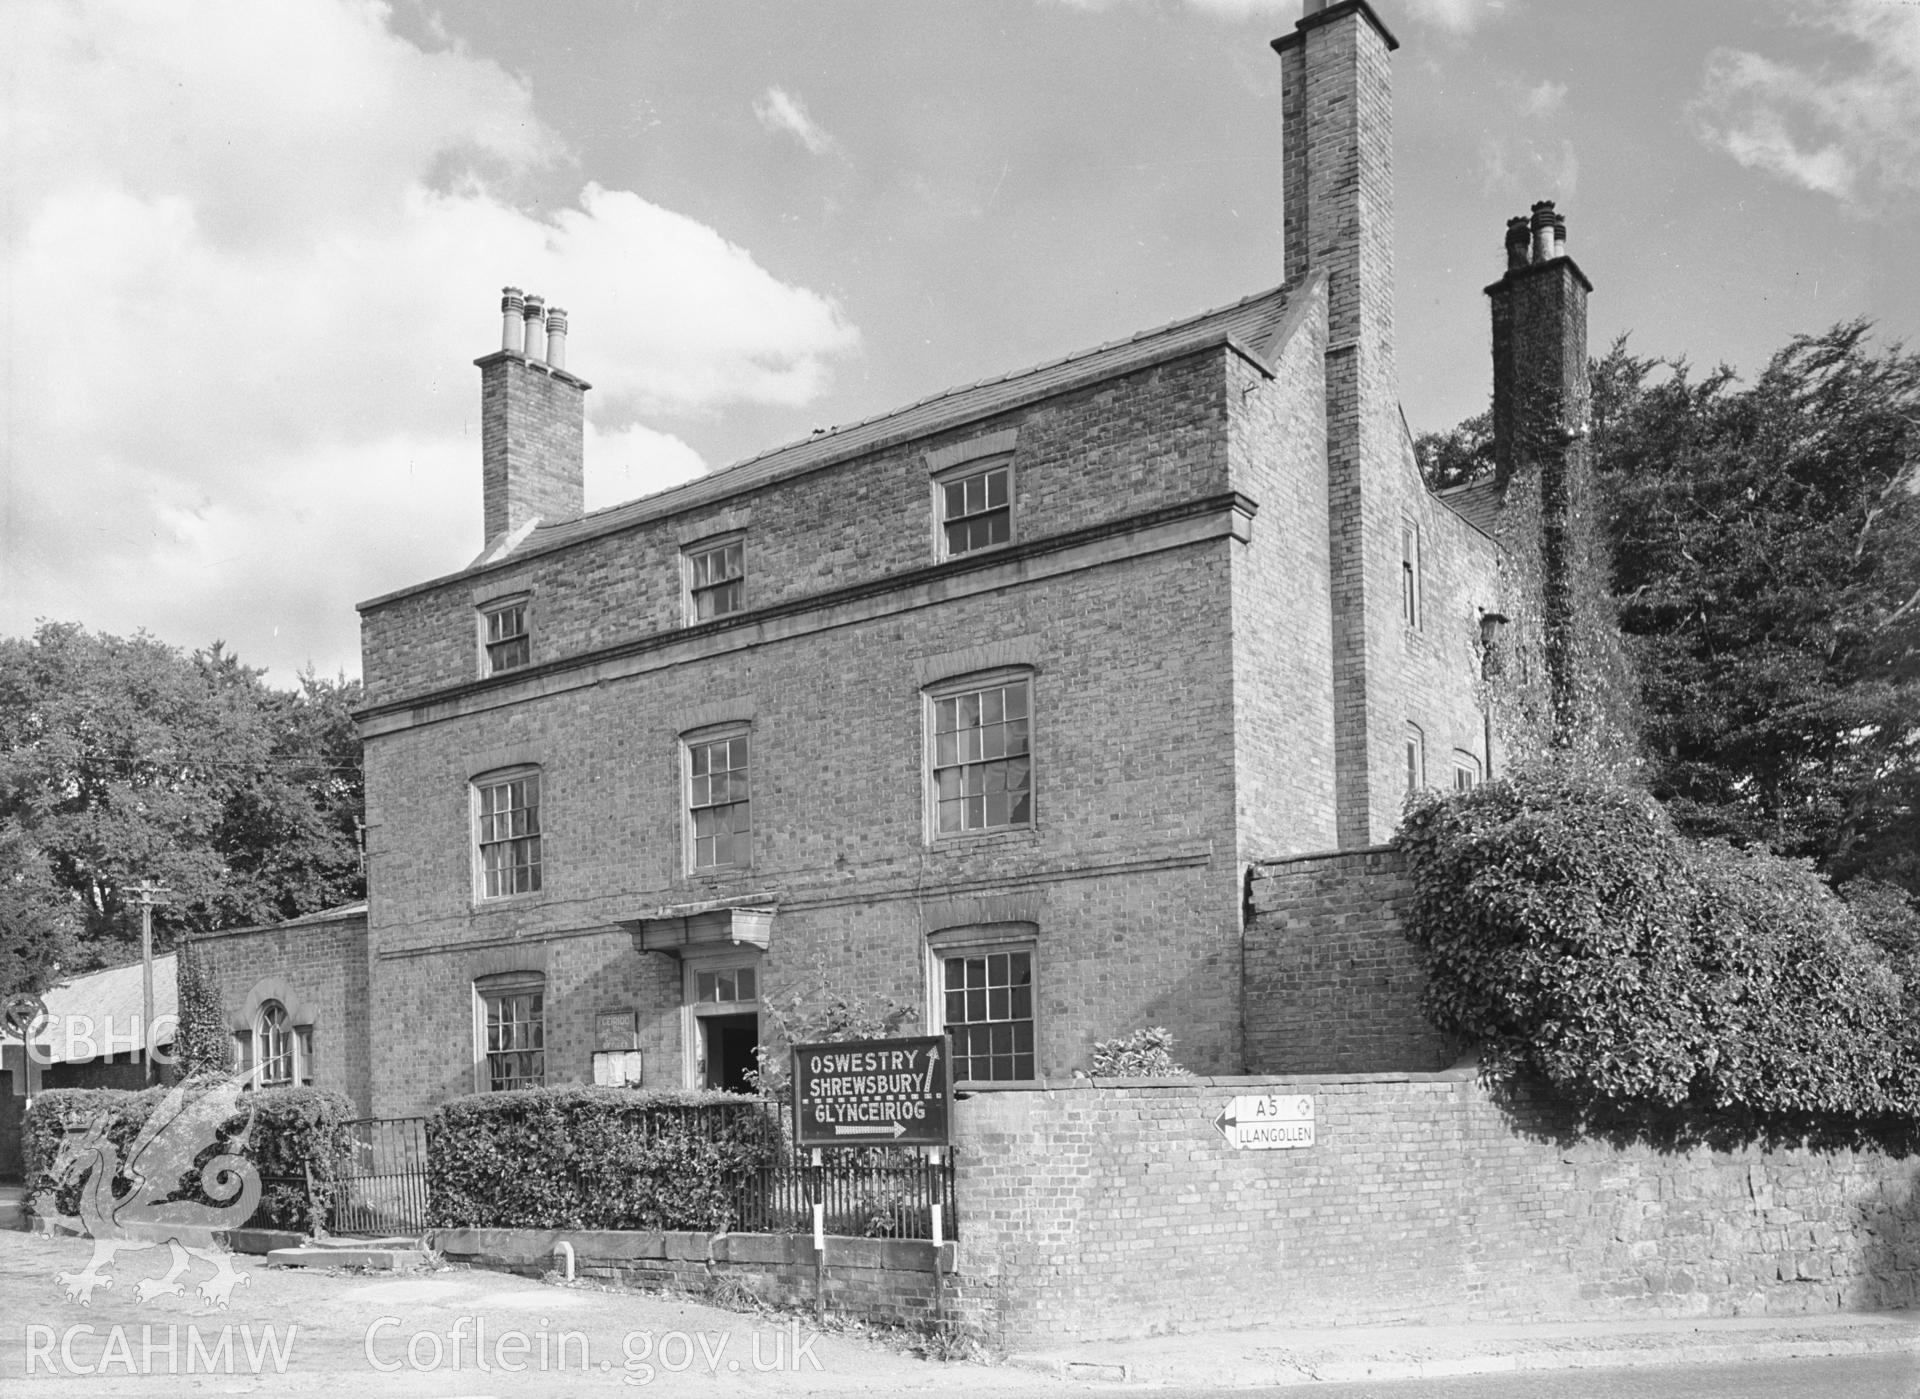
[1458, 456]
[123, 759]
[1766, 546]
[38, 921]
[1584, 943]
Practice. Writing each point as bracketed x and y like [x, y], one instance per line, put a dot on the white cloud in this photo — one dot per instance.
[1277, 11]
[634, 461]
[247, 255]
[782, 113]
[1528, 168]
[1457, 16]
[1543, 98]
[1845, 123]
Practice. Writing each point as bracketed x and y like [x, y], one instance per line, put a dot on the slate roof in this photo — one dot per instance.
[102, 1004]
[1477, 502]
[1257, 324]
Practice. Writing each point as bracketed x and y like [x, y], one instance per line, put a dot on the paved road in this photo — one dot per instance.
[1844, 1377]
[289, 1332]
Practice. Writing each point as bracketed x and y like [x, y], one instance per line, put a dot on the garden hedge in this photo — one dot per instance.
[594, 1158]
[294, 1131]
[1583, 942]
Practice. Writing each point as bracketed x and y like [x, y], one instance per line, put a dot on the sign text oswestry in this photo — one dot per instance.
[865, 1092]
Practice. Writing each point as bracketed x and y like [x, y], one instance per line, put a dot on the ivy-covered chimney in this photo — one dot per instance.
[1542, 416]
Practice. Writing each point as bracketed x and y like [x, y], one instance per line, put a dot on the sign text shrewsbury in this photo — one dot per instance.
[872, 1092]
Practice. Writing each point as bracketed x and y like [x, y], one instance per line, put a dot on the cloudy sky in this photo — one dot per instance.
[250, 248]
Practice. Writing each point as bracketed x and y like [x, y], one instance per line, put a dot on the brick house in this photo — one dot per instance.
[987, 705]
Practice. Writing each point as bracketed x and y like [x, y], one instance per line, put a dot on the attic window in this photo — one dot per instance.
[507, 641]
[716, 579]
[976, 509]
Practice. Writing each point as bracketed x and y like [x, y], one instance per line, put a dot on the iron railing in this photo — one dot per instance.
[380, 1185]
[868, 1192]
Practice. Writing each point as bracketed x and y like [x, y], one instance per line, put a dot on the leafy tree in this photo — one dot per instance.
[1765, 547]
[200, 1043]
[824, 1017]
[38, 920]
[1461, 455]
[125, 758]
[1767, 570]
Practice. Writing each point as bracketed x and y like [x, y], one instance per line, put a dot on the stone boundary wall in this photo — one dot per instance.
[1332, 985]
[889, 1280]
[1118, 1209]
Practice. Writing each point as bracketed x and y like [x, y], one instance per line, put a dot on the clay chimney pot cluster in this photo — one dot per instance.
[528, 328]
[1549, 231]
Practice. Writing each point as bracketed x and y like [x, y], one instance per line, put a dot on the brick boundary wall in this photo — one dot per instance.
[1332, 985]
[1119, 1209]
[890, 1280]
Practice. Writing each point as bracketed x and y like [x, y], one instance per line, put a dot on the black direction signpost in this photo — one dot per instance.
[872, 1093]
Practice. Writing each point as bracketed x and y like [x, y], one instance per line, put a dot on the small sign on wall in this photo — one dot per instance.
[616, 1029]
[1267, 1121]
[616, 1068]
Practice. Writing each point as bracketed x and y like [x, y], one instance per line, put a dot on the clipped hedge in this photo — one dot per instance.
[1571, 931]
[293, 1129]
[593, 1158]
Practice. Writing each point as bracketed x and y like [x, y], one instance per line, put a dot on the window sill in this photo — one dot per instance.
[983, 550]
[970, 840]
[506, 901]
[715, 874]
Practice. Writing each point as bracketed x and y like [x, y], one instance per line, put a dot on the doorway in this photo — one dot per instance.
[727, 1051]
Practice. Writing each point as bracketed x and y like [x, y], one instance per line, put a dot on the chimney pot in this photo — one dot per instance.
[535, 313]
[1543, 230]
[512, 329]
[557, 338]
[1559, 235]
[1518, 239]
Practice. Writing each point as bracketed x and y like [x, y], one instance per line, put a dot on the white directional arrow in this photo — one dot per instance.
[933, 1059]
[840, 1129]
[1267, 1122]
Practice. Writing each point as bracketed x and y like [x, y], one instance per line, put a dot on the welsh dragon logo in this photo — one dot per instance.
[145, 1215]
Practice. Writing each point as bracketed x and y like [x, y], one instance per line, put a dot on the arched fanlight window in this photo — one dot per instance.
[278, 1046]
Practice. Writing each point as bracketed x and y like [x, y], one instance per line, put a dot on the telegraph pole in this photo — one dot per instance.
[149, 894]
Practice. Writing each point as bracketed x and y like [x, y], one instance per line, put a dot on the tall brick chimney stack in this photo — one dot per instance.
[532, 421]
[1542, 412]
[1540, 392]
[1337, 165]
